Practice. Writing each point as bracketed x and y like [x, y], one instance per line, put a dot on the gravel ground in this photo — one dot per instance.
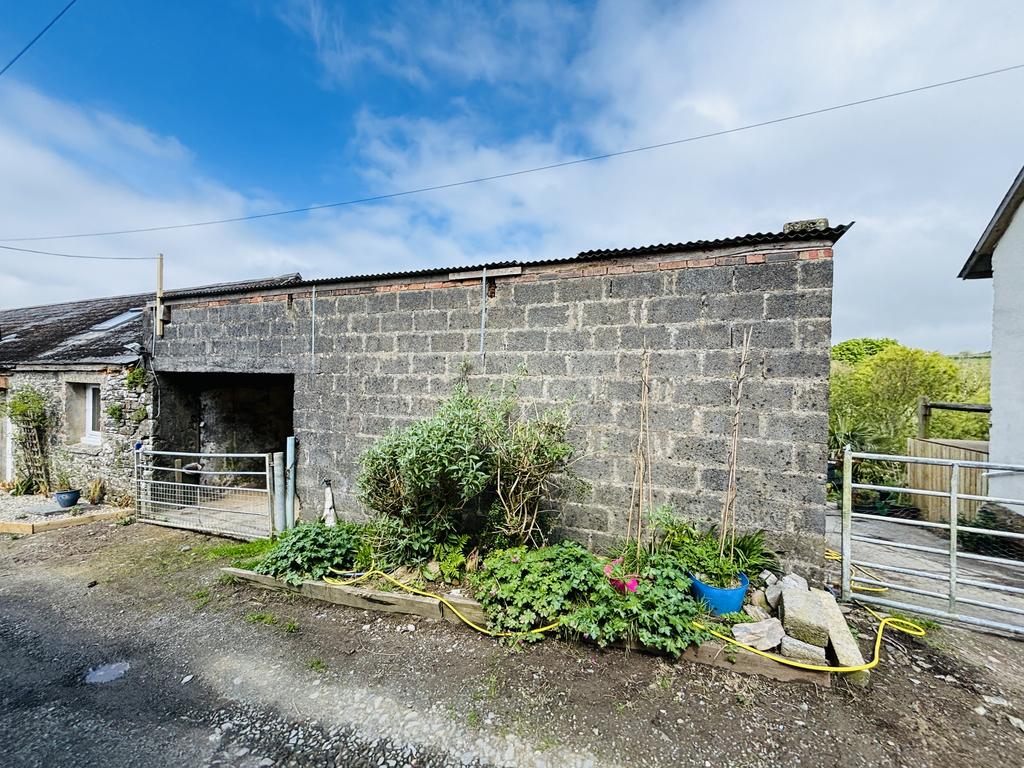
[211, 684]
[28, 506]
[36, 509]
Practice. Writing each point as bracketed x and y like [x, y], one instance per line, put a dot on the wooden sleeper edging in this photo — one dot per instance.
[712, 653]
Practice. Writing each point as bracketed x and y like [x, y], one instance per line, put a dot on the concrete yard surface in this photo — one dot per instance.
[224, 673]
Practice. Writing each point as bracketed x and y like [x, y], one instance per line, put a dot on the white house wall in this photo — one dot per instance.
[1007, 434]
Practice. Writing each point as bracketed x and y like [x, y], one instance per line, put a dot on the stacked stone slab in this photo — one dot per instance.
[817, 632]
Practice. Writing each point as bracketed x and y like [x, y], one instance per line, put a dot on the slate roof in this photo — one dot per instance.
[827, 234]
[63, 333]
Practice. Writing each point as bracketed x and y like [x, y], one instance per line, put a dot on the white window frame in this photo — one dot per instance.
[88, 434]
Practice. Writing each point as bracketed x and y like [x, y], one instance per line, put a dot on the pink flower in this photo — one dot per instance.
[619, 584]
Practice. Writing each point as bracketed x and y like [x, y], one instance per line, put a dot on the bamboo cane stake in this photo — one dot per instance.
[728, 521]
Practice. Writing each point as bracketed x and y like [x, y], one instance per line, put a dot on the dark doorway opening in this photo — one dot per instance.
[225, 412]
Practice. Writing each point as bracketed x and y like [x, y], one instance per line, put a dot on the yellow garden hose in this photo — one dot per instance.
[447, 603]
[900, 625]
[831, 554]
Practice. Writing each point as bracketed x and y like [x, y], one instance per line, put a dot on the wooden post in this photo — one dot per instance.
[924, 415]
[159, 294]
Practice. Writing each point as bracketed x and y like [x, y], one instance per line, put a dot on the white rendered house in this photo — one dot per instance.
[999, 255]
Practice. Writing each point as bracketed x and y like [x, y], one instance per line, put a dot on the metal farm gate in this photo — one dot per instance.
[965, 564]
[230, 494]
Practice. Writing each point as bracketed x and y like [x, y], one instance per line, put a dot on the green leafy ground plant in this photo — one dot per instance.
[522, 589]
[310, 550]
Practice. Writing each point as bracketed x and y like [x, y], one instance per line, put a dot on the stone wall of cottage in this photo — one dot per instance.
[126, 417]
[378, 355]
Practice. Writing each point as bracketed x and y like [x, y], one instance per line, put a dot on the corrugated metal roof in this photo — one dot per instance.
[243, 285]
[827, 234]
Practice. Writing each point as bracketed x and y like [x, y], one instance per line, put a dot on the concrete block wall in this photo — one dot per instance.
[385, 352]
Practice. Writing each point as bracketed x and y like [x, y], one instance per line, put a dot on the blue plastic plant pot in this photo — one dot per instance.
[67, 498]
[720, 600]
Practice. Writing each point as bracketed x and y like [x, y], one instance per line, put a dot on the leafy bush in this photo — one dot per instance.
[853, 351]
[310, 550]
[426, 475]
[522, 589]
[27, 407]
[388, 542]
[699, 551]
[874, 402]
[139, 415]
[116, 412]
[476, 466]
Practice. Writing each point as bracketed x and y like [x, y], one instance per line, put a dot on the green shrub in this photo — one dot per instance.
[660, 614]
[853, 351]
[116, 412]
[310, 550]
[388, 543]
[140, 414]
[27, 407]
[477, 466]
[522, 589]
[873, 398]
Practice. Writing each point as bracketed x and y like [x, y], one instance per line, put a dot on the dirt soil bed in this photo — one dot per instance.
[224, 673]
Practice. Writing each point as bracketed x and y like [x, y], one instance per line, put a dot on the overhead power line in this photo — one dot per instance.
[525, 171]
[32, 42]
[79, 255]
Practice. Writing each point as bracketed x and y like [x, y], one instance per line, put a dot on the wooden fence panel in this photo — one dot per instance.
[936, 478]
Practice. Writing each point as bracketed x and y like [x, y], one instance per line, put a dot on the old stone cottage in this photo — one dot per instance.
[80, 355]
[338, 362]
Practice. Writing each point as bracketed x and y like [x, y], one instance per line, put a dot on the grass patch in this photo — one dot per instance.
[316, 665]
[290, 626]
[473, 719]
[202, 597]
[268, 619]
[243, 554]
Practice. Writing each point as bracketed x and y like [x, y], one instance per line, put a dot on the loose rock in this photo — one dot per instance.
[800, 651]
[803, 616]
[759, 634]
[756, 612]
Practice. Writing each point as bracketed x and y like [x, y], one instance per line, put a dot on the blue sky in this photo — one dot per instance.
[145, 113]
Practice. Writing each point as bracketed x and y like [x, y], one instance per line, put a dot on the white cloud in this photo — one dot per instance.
[421, 41]
[921, 174]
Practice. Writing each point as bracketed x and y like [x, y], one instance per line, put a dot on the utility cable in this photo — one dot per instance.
[33, 41]
[79, 255]
[523, 171]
